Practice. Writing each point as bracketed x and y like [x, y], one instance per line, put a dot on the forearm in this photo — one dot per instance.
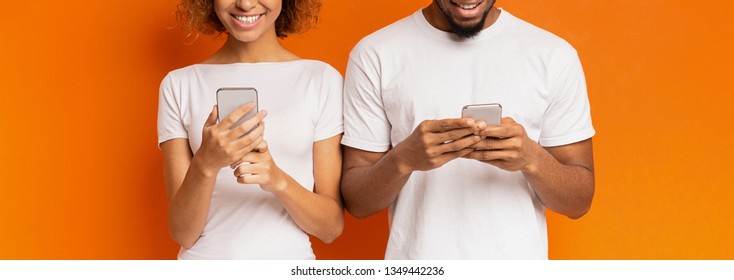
[316, 214]
[567, 189]
[189, 208]
[370, 189]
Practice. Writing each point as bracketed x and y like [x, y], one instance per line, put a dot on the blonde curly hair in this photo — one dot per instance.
[296, 16]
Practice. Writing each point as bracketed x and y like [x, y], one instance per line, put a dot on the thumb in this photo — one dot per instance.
[212, 119]
[262, 147]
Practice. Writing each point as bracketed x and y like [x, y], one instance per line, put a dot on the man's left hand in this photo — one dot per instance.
[506, 146]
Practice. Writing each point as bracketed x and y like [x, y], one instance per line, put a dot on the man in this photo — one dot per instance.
[457, 188]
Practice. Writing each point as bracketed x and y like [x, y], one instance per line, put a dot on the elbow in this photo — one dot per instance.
[359, 209]
[334, 233]
[186, 245]
[575, 215]
[581, 210]
[183, 241]
[359, 213]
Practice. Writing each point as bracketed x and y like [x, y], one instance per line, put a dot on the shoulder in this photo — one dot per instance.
[320, 69]
[535, 39]
[388, 36]
[178, 75]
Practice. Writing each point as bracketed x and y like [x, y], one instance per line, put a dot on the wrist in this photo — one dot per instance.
[402, 165]
[531, 168]
[199, 166]
[278, 185]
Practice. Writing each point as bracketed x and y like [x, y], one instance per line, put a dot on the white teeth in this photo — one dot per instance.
[467, 6]
[247, 20]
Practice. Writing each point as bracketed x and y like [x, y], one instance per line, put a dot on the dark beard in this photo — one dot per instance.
[465, 32]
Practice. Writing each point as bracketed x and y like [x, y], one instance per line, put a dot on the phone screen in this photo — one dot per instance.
[230, 99]
[491, 114]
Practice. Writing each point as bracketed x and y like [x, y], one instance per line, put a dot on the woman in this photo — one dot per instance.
[255, 208]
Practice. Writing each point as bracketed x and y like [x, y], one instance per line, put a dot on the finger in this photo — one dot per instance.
[458, 145]
[443, 137]
[248, 126]
[489, 155]
[245, 141]
[463, 152]
[213, 116]
[238, 163]
[478, 126]
[495, 144]
[237, 114]
[246, 170]
[508, 128]
[444, 158]
[262, 147]
[446, 124]
[247, 155]
[248, 158]
[252, 147]
[250, 179]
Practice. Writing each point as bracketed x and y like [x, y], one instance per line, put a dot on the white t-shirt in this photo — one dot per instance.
[304, 103]
[409, 72]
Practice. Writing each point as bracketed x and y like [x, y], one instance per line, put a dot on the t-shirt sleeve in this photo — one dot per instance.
[330, 121]
[568, 119]
[170, 124]
[366, 126]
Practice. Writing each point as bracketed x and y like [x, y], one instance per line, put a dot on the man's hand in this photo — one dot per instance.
[562, 176]
[506, 146]
[436, 142]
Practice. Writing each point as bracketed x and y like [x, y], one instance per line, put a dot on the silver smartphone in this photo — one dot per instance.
[491, 113]
[230, 99]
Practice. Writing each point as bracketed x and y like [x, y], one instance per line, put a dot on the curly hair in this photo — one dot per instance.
[296, 16]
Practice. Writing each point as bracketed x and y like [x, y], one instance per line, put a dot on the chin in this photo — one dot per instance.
[244, 38]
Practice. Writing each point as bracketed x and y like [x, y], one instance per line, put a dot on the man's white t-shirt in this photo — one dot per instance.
[409, 72]
[304, 103]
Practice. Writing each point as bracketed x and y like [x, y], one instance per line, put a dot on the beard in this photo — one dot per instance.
[464, 31]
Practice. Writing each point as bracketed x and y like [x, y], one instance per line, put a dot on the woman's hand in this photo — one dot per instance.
[258, 167]
[221, 146]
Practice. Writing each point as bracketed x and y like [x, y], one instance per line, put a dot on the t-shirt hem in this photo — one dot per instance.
[165, 138]
[366, 146]
[322, 136]
[568, 139]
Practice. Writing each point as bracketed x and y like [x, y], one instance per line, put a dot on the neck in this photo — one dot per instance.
[267, 48]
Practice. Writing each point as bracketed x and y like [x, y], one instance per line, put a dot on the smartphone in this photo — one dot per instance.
[230, 99]
[491, 113]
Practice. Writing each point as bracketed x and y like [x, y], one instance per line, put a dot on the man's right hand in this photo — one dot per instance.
[435, 142]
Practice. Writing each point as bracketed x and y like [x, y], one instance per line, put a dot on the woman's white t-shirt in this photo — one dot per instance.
[304, 103]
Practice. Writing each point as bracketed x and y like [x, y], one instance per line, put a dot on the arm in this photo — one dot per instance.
[562, 177]
[190, 178]
[371, 181]
[319, 213]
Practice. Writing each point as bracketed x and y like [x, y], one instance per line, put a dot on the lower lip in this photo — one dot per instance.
[468, 14]
[245, 25]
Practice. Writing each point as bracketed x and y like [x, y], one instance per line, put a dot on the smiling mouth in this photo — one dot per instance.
[467, 6]
[247, 19]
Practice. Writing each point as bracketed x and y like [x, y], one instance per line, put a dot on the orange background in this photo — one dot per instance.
[81, 175]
